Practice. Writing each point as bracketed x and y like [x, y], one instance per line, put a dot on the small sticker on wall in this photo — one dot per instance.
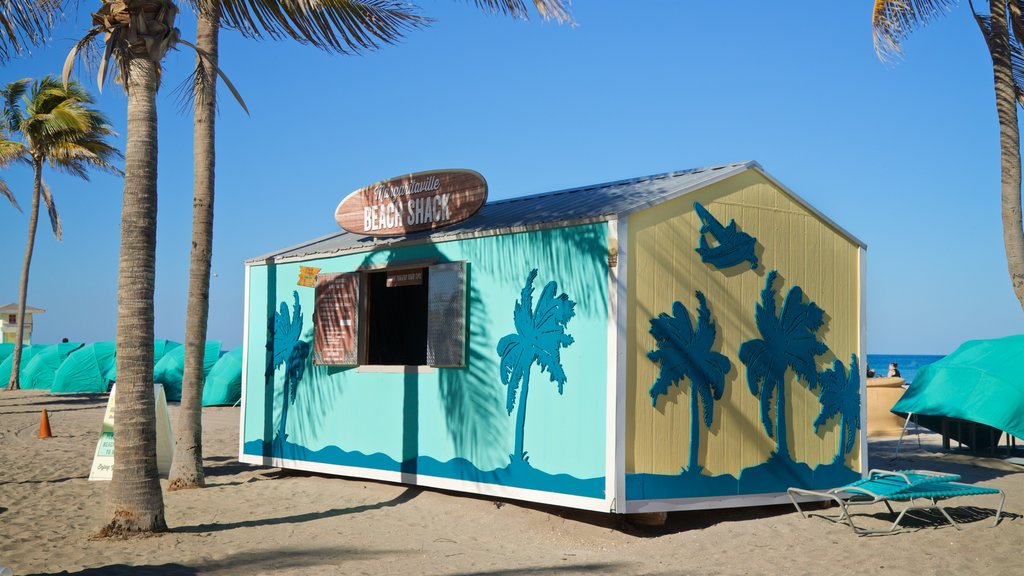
[307, 276]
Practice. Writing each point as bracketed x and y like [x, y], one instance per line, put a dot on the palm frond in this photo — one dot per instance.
[51, 211]
[557, 10]
[11, 96]
[892, 21]
[6, 193]
[218, 71]
[24, 23]
[343, 26]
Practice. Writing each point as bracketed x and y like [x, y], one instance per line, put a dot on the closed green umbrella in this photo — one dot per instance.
[27, 352]
[168, 371]
[982, 381]
[89, 369]
[40, 370]
[5, 351]
[223, 385]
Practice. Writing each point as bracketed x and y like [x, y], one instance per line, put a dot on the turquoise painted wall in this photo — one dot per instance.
[454, 418]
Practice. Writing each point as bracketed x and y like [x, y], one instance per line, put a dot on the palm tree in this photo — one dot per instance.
[788, 341]
[60, 129]
[342, 26]
[24, 22]
[540, 334]
[1003, 29]
[840, 394]
[684, 352]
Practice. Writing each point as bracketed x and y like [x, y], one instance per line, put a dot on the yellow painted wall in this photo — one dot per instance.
[663, 267]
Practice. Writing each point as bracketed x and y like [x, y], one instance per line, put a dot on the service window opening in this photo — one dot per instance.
[400, 316]
[396, 304]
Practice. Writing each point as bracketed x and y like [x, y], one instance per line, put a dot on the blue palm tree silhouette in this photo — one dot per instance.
[788, 340]
[684, 352]
[840, 394]
[540, 334]
[291, 352]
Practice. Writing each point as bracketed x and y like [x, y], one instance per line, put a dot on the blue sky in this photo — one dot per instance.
[903, 155]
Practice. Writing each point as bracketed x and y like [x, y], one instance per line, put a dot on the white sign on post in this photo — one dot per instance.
[103, 460]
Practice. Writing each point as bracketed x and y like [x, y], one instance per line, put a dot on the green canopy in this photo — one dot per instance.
[983, 382]
[27, 352]
[168, 371]
[160, 349]
[223, 385]
[90, 369]
[6, 350]
[40, 370]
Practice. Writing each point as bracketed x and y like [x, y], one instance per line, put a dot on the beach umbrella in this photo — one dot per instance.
[40, 370]
[160, 349]
[90, 369]
[168, 371]
[6, 350]
[27, 352]
[223, 385]
[982, 382]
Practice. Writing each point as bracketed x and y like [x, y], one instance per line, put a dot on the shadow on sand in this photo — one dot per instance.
[402, 498]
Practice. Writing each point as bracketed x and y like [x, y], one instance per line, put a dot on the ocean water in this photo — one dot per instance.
[908, 364]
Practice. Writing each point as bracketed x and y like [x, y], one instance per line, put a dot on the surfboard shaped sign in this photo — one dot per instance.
[411, 203]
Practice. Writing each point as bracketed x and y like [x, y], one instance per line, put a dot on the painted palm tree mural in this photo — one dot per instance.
[685, 352]
[289, 351]
[840, 395]
[788, 340]
[539, 337]
[732, 246]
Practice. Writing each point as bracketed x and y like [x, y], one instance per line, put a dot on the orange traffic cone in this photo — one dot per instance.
[44, 426]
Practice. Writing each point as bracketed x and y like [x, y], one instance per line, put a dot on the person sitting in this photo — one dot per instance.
[871, 373]
[894, 371]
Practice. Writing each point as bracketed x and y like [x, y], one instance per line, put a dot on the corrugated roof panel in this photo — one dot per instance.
[574, 205]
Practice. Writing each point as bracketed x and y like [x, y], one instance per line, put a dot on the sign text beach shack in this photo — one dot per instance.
[687, 340]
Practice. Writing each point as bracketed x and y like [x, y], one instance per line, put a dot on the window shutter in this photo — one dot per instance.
[336, 333]
[446, 315]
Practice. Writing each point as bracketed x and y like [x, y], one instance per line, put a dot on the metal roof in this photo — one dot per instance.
[594, 203]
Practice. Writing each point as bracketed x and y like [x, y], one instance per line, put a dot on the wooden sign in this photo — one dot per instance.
[419, 201]
[307, 276]
[404, 278]
[337, 329]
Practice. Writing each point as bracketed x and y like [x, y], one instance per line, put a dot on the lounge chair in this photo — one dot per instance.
[905, 486]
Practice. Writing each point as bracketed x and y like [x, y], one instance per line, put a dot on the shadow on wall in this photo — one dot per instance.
[473, 396]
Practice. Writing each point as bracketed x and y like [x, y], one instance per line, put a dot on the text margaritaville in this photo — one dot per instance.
[394, 207]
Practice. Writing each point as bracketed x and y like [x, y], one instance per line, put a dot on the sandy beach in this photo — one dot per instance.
[254, 520]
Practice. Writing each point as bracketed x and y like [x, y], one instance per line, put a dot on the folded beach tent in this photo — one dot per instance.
[27, 352]
[223, 385]
[39, 372]
[6, 349]
[901, 486]
[169, 370]
[88, 370]
[982, 382]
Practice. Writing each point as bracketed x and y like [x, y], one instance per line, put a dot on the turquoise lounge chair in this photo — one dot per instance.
[905, 486]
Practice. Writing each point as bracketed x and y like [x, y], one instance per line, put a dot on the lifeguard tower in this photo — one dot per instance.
[9, 323]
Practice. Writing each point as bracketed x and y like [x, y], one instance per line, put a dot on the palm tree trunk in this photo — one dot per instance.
[521, 416]
[694, 430]
[187, 466]
[1009, 143]
[33, 219]
[135, 502]
[782, 438]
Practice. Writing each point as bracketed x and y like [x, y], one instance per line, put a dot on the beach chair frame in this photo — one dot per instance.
[909, 485]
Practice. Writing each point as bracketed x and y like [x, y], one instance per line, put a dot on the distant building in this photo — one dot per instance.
[9, 323]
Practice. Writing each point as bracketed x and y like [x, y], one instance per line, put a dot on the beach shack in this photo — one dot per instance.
[687, 340]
